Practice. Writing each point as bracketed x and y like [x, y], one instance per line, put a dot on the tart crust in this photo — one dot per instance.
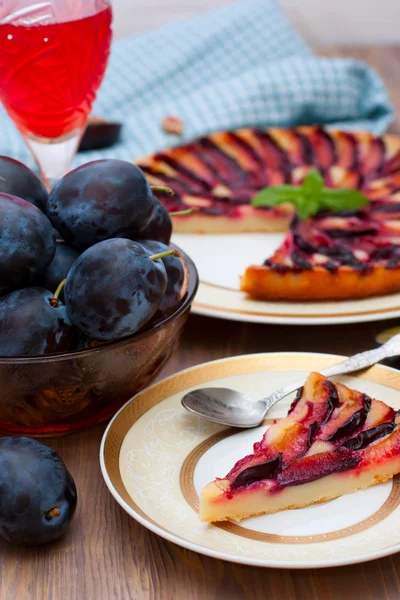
[213, 508]
[263, 283]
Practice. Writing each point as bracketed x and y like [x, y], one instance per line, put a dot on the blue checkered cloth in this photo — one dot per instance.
[241, 65]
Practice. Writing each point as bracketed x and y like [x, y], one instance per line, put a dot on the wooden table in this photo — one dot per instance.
[107, 555]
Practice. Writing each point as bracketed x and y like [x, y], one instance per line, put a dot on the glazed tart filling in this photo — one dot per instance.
[356, 240]
[224, 171]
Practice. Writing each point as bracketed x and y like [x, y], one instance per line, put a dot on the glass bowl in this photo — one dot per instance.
[61, 393]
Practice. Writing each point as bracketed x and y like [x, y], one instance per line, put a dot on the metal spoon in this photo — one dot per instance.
[229, 407]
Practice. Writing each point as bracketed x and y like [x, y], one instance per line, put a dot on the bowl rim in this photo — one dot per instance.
[193, 284]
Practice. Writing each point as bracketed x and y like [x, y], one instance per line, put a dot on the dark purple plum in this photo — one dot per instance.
[175, 277]
[38, 495]
[100, 200]
[355, 422]
[27, 242]
[266, 470]
[31, 325]
[316, 466]
[161, 270]
[113, 289]
[58, 269]
[159, 227]
[16, 179]
[367, 437]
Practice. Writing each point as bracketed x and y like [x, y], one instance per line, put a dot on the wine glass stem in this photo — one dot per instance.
[54, 157]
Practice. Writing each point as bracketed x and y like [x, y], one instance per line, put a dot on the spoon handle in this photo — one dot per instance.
[365, 359]
[349, 365]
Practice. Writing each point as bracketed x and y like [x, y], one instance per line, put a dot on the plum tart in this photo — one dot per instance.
[333, 441]
[334, 255]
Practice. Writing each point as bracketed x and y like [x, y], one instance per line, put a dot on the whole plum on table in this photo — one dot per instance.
[27, 242]
[18, 180]
[58, 269]
[38, 495]
[100, 200]
[113, 289]
[175, 277]
[30, 324]
[159, 227]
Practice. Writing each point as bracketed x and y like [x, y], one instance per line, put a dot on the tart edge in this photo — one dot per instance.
[263, 283]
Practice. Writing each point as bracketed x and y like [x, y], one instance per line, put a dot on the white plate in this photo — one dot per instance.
[221, 259]
[155, 457]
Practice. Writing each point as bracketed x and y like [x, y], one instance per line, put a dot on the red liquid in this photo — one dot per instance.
[49, 74]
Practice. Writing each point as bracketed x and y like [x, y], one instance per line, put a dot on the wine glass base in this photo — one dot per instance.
[54, 156]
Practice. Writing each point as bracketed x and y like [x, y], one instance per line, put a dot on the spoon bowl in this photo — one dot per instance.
[224, 406]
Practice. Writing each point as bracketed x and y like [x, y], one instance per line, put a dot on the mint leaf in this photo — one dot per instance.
[311, 197]
[312, 184]
[276, 194]
[307, 207]
[342, 199]
[313, 207]
[302, 208]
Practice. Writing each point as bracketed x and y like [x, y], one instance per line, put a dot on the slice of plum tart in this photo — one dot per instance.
[333, 441]
[346, 255]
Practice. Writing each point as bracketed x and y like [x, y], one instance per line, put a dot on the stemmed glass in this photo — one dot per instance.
[53, 55]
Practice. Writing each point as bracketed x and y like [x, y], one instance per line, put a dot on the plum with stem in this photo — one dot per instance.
[33, 321]
[100, 200]
[114, 288]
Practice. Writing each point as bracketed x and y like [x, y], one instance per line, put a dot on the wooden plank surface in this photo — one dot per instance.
[107, 555]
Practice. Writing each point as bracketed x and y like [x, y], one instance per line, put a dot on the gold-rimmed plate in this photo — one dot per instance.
[221, 259]
[155, 457]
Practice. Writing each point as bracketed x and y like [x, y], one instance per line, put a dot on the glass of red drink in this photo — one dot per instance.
[53, 55]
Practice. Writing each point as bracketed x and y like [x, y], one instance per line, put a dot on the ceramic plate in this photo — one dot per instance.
[155, 457]
[221, 259]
